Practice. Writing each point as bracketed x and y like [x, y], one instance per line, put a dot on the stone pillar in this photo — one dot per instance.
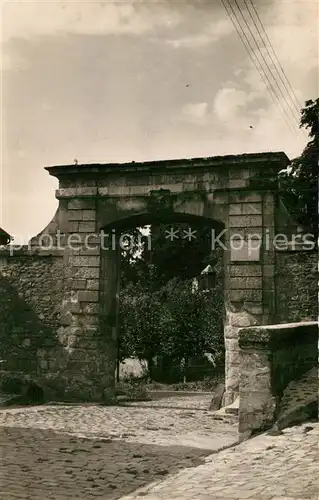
[243, 279]
[235, 319]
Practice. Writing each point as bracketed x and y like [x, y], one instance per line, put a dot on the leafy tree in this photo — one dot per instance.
[300, 183]
[174, 322]
[144, 321]
[196, 320]
[182, 256]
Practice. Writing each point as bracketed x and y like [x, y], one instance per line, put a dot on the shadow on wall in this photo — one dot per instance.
[22, 333]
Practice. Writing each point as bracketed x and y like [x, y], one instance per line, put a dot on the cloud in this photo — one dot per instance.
[212, 33]
[196, 113]
[38, 18]
[231, 106]
[247, 100]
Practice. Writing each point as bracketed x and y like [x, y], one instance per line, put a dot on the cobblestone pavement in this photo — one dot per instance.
[41, 465]
[198, 402]
[283, 467]
[89, 451]
[161, 426]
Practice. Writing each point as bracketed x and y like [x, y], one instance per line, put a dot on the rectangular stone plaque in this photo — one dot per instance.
[244, 251]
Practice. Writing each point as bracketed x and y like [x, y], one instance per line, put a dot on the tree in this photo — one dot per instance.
[144, 321]
[300, 184]
[196, 320]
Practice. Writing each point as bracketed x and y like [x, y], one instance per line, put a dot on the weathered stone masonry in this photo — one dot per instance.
[72, 304]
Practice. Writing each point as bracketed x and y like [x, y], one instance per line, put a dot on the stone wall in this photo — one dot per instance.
[271, 358]
[235, 193]
[31, 294]
[296, 286]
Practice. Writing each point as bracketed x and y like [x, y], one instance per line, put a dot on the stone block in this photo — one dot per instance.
[235, 209]
[245, 295]
[85, 272]
[88, 296]
[84, 260]
[245, 221]
[90, 308]
[243, 282]
[81, 204]
[72, 227]
[245, 270]
[78, 284]
[75, 308]
[244, 251]
[244, 197]
[236, 173]
[86, 191]
[238, 320]
[93, 249]
[65, 193]
[253, 307]
[87, 227]
[93, 284]
[237, 183]
[252, 208]
[91, 320]
[75, 215]
[89, 215]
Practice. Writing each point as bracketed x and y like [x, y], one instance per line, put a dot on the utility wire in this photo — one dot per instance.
[264, 78]
[266, 63]
[299, 105]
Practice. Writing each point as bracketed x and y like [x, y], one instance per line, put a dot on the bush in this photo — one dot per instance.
[12, 384]
[133, 390]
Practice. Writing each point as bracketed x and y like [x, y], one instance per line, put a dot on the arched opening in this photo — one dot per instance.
[34, 394]
[160, 306]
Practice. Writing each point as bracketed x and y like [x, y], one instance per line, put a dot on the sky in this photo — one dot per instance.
[133, 81]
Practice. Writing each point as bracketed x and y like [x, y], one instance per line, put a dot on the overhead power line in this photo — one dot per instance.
[250, 51]
[299, 105]
[267, 65]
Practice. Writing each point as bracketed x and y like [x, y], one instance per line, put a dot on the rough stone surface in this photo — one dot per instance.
[72, 293]
[235, 319]
[274, 360]
[264, 468]
[297, 286]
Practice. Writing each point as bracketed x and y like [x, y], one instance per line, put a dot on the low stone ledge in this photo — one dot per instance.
[270, 336]
[271, 357]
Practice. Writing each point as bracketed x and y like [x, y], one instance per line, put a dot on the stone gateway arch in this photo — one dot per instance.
[68, 277]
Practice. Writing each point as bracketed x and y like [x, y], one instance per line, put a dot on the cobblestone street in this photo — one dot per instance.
[63, 452]
[87, 451]
[283, 467]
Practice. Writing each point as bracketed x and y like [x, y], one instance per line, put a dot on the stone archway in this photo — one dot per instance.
[238, 191]
[110, 263]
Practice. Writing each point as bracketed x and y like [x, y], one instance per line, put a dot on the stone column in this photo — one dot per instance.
[235, 319]
[243, 280]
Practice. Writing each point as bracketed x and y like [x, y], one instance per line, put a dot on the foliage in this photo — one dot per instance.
[133, 390]
[142, 321]
[300, 184]
[179, 257]
[172, 322]
[195, 320]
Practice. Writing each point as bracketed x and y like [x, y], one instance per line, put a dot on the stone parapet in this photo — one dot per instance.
[271, 357]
